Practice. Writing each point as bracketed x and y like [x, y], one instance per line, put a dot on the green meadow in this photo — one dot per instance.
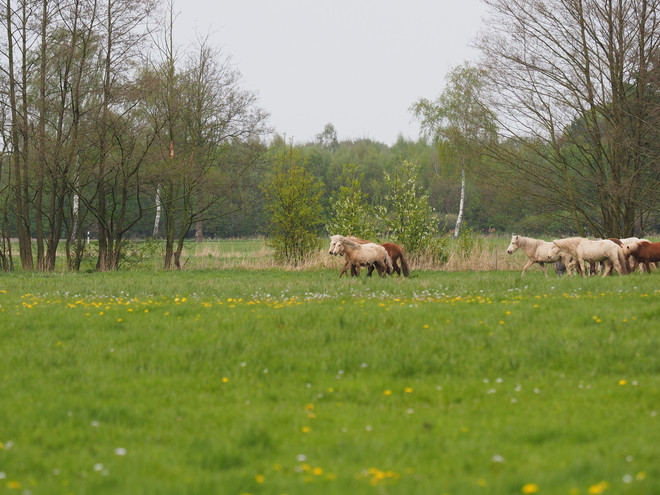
[269, 381]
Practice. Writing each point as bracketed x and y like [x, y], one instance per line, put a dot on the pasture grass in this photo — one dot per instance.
[295, 382]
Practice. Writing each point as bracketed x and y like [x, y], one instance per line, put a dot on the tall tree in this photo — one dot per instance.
[458, 117]
[570, 84]
[204, 114]
[18, 38]
[123, 29]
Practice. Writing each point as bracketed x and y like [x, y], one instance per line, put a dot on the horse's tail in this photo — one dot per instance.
[622, 260]
[404, 264]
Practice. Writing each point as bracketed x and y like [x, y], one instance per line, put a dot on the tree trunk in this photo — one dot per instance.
[461, 205]
[19, 156]
[159, 207]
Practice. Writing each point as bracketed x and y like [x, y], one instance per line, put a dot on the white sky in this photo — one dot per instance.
[358, 64]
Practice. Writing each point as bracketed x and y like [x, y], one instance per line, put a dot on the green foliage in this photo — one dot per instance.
[293, 206]
[351, 212]
[468, 241]
[409, 217]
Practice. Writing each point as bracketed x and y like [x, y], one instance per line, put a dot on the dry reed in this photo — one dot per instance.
[490, 254]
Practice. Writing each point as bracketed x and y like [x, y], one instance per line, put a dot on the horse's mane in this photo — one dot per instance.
[351, 243]
[528, 241]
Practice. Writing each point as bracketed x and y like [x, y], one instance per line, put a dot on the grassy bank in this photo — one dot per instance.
[270, 381]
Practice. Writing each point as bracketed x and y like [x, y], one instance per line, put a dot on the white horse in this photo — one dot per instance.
[592, 251]
[537, 251]
[357, 254]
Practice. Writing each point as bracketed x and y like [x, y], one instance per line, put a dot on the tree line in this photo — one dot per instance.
[110, 129]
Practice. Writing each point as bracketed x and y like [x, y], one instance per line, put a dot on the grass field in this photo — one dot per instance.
[296, 382]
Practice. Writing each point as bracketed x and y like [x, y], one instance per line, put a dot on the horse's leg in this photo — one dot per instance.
[545, 270]
[395, 266]
[345, 268]
[355, 270]
[527, 265]
[609, 266]
[382, 268]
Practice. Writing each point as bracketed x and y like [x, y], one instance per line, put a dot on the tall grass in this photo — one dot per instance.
[272, 381]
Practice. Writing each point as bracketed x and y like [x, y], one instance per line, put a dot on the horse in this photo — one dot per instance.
[632, 265]
[361, 254]
[394, 251]
[643, 252]
[354, 267]
[591, 251]
[537, 251]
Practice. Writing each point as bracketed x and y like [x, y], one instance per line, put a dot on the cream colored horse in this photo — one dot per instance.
[537, 251]
[361, 254]
[592, 251]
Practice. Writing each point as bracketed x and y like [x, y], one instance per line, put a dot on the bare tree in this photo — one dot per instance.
[203, 113]
[577, 115]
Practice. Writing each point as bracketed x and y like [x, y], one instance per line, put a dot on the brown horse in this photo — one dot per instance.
[395, 252]
[643, 252]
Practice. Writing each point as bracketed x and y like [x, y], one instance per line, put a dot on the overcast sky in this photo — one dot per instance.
[358, 64]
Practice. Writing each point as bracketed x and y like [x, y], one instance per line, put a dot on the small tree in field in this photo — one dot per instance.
[293, 208]
[407, 211]
[351, 214]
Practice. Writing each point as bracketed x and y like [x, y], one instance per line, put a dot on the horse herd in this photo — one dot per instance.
[573, 253]
[385, 258]
[622, 255]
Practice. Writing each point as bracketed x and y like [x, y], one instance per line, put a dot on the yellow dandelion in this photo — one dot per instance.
[530, 488]
[622, 382]
[387, 392]
[640, 476]
[317, 471]
[408, 390]
[425, 326]
[225, 379]
[305, 429]
[309, 407]
[598, 488]
[259, 478]
[119, 320]
[14, 485]
[481, 482]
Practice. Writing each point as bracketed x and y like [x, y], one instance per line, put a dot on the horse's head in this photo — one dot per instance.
[630, 248]
[553, 252]
[513, 247]
[336, 246]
